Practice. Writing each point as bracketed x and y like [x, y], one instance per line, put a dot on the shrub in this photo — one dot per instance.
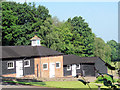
[118, 81]
[100, 79]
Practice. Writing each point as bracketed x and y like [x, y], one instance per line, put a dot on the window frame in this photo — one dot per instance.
[34, 42]
[59, 64]
[68, 68]
[45, 68]
[26, 65]
[10, 67]
[78, 67]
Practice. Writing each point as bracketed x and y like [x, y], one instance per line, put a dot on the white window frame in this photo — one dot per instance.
[68, 68]
[78, 67]
[26, 65]
[59, 64]
[34, 42]
[10, 67]
[45, 68]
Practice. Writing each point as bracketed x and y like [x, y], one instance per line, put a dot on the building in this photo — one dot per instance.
[31, 61]
[86, 66]
[40, 61]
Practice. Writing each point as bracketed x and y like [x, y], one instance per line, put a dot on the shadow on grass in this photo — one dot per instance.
[25, 83]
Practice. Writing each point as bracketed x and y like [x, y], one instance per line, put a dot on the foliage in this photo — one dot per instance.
[20, 22]
[71, 39]
[118, 81]
[102, 50]
[83, 37]
[105, 77]
[114, 49]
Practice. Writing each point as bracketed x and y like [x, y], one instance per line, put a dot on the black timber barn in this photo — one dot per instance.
[86, 66]
[13, 54]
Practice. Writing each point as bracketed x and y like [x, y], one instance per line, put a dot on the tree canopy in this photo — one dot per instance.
[102, 50]
[114, 49]
[20, 22]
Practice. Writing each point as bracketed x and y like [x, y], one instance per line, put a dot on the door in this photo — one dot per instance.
[74, 70]
[19, 68]
[88, 70]
[52, 70]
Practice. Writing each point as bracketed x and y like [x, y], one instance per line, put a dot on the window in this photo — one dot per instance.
[38, 42]
[34, 43]
[78, 66]
[10, 64]
[68, 67]
[57, 64]
[45, 66]
[27, 63]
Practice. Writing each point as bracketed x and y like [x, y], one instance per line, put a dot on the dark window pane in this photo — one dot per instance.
[44, 66]
[57, 65]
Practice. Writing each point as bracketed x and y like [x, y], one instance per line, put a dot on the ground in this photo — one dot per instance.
[59, 83]
[20, 86]
[66, 82]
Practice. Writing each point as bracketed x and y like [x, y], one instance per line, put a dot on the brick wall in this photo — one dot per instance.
[51, 59]
[37, 62]
[9, 75]
[30, 76]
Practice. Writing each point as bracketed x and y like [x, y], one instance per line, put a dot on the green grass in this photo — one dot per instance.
[59, 84]
[68, 84]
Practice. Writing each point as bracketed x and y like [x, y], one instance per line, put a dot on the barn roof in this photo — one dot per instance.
[73, 59]
[27, 51]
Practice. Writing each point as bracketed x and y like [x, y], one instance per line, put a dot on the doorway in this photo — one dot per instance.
[19, 68]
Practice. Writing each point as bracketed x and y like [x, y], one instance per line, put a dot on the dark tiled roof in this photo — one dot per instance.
[27, 51]
[73, 59]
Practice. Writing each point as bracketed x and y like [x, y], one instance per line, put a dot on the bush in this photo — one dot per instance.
[100, 78]
[118, 81]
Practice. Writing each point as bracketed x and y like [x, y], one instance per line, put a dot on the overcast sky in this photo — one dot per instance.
[101, 15]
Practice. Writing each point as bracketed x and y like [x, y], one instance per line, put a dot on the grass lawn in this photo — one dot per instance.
[60, 84]
[69, 84]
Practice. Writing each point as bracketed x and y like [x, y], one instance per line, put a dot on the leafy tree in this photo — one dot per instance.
[20, 22]
[119, 57]
[102, 50]
[83, 38]
[71, 39]
[56, 21]
[114, 49]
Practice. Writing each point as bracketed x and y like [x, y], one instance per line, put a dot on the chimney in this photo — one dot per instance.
[35, 41]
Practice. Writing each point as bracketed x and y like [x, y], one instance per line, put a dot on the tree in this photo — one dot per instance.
[71, 38]
[20, 22]
[114, 49]
[56, 21]
[83, 38]
[102, 50]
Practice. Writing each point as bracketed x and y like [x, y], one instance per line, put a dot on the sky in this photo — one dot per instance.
[102, 16]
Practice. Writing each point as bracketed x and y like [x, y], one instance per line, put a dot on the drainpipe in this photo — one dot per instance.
[40, 67]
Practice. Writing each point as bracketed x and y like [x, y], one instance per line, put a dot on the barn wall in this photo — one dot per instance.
[88, 69]
[67, 73]
[9, 72]
[29, 70]
[100, 65]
